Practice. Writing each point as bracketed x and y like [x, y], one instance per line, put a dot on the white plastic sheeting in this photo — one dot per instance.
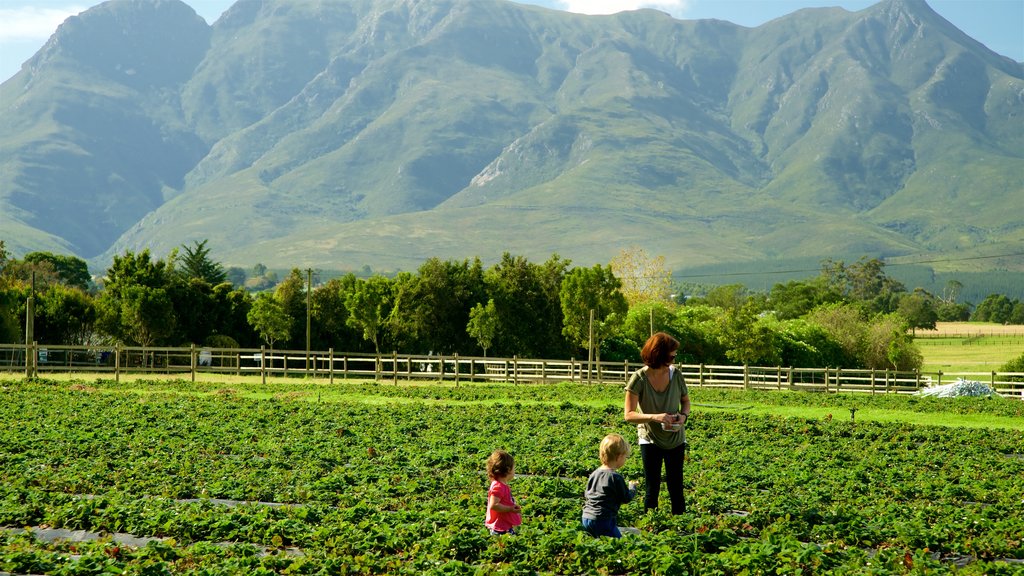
[958, 388]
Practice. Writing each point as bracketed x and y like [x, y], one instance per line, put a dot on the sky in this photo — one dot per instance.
[25, 25]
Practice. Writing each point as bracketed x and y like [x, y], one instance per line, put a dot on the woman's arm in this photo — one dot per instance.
[684, 406]
[632, 415]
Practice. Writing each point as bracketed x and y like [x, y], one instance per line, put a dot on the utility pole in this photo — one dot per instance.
[309, 290]
[590, 349]
[30, 331]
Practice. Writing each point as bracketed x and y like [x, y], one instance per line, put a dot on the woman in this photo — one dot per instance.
[658, 402]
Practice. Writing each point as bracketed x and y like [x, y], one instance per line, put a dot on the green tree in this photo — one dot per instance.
[918, 308]
[146, 315]
[591, 289]
[329, 316]
[727, 297]
[483, 324]
[527, 301]
[846, 325]
[646, 318]
[268, 317]
[994, 308]
[194, 309]
[196, 263]
[70, 270]
[135, 284]
[235, 275]
[749, 340]
[291, 294]
[431, 309]
[796, 298]
[64, 315]
[231, 309]
[865, 282]
[370, 306]
[698, 328]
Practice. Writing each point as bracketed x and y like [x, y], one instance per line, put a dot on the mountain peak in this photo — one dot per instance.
[133, 42]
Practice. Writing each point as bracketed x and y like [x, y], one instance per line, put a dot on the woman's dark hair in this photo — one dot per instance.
[659, 350]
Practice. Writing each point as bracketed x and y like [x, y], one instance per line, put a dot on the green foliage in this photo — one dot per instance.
[433, 308]
[370, 305]
[879, 342]
[918, 309]
[798, 297]
[750, 338]
[1000, 309]
[1015, 365]
[483, 324]
[64, 315]
[527, 303]
[270, 320]
[71, 270]
[196, 263]
[290, 293]
[592, 305]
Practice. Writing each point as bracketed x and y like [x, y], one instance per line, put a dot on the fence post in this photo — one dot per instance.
[117, 363]
[839, 376]
[872, 381]
[515, 369]
[917, 378]
[330, 365]
[789, 377]
[700, 375]
[778, 377]
[625, 366]
[394, 367]
[992, 383]
[263, 363]
[572, 369]
[192, 361]
[456, 360]
[746, 377]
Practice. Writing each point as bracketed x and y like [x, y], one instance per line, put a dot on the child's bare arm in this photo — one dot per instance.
[496, 504]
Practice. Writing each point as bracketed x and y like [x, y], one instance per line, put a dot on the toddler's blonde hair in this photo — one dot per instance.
[613, 446]
[499, 464]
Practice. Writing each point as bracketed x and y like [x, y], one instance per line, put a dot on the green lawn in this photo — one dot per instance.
[969, 354]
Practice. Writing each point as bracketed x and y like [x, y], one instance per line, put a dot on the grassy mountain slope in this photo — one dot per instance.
[335, 134]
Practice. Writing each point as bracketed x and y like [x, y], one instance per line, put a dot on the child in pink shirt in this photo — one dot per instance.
[502, 511]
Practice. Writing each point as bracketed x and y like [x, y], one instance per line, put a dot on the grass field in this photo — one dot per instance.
[969, 346]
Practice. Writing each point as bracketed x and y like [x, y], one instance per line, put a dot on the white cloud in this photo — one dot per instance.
[674, 7]
[33, 22]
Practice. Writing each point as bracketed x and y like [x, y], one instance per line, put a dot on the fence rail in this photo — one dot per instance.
[35, 360]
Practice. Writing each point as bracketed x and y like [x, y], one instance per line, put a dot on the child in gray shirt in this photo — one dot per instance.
[607, 489]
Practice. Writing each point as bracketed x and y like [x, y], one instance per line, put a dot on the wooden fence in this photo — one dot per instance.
[190, 363]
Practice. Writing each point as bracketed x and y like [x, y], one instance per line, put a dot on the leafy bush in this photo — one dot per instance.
[1015, 365]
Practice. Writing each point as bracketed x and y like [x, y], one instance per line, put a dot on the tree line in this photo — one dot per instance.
[849, 316]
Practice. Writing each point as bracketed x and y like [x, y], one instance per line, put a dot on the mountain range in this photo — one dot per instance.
[338, 134]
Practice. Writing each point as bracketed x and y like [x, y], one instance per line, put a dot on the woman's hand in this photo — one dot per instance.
[665, 418]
